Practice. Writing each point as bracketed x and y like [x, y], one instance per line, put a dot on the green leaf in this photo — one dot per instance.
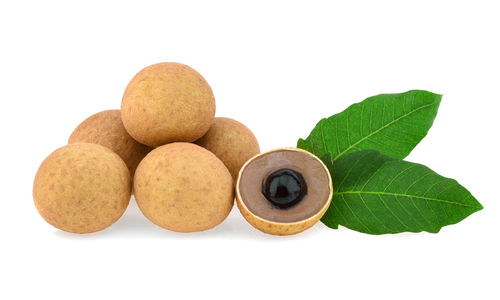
[390, 123]
[377, 194]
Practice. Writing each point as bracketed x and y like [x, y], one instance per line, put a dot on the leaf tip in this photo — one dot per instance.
[435, 96]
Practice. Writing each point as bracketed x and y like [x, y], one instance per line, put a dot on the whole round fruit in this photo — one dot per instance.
[106, 128]
[232, 142]
[82, 188]
[167, 102]
[183, 187]
[283, 191]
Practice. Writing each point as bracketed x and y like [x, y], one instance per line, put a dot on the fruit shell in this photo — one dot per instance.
[183, 187]
[167, 102]
[82, 188]
[281, 228]
[106, 128]
[232, 142]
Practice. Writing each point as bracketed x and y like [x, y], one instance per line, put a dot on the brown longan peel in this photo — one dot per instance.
[82, 188]
[106, 128]
[167, 102]
[183, 187]
[232, 142]
[263, 211]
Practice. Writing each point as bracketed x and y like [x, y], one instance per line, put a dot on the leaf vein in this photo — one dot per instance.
[399, 174]
[347, 126]
[382, 128]
[409, 213]
[322, 127]
[392, 213]
[376, 218]
[349, 171]
[406, 196]
[337, 134]
[420, 212]
[359, 220]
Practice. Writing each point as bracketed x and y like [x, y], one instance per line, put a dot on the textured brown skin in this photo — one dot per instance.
[106, 128]
[278, 228]
[167, 102]
[82, 188]
[232, 142]
[183, 187]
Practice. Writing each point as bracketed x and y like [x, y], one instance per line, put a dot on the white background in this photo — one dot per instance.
[278, 67]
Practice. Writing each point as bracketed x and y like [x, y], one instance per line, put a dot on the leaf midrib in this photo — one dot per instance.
[381, 128]
[404, 195]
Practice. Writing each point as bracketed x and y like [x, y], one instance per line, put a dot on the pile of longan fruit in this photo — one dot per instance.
[165, 146]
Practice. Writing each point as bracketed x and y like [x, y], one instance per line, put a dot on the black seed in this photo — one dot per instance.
[284, 188]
